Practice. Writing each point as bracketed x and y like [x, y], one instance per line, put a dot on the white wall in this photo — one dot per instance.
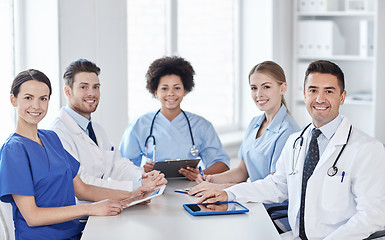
[96, 30]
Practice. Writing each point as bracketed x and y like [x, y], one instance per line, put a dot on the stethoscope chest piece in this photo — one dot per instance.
[194, 151]
[332, 171]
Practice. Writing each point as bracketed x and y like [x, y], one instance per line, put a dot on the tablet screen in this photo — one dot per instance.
[154, 194]
[222, 208]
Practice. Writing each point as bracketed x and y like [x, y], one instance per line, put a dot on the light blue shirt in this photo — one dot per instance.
[79, 119]
[173, 139]
[261, 154]
[328, 130]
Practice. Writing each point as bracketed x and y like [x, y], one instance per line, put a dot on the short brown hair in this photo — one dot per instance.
[80, 65]
[323, 66]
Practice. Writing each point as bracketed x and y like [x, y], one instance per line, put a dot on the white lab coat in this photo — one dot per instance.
[351, 209]
[100, 165]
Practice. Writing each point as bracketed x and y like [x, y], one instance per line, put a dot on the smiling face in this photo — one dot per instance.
[170, 93]
[31, 102]
[84, 95]
[266, 92]
[323, 97]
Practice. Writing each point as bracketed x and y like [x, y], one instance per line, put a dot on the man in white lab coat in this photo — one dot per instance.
[343, 199]
[100, 161]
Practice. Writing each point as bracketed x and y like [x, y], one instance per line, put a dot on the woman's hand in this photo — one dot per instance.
[208, 178]
[105, 207]
[148, 166]
[190, 173]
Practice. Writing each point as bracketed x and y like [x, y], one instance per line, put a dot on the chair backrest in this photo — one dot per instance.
[6, 222]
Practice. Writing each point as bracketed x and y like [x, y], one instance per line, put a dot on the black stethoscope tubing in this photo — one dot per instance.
[332, 171]
[153, 137]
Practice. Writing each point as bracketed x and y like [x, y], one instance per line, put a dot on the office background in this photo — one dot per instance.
[222, 39]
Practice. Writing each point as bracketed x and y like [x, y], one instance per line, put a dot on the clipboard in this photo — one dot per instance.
[219, 208]
[170, 168]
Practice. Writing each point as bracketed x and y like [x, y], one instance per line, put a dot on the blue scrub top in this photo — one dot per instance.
[260, 155]
[173, 139]
[27, 168]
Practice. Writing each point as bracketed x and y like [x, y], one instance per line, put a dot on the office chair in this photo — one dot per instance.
[376, 235]
[6, 222]
[277, 212]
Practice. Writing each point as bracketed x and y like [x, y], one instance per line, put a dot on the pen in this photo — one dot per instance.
[343, 175]
[201, 172]
[181, 191]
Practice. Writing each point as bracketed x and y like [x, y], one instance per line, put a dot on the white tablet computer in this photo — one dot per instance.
[157, 192]
[170, 168]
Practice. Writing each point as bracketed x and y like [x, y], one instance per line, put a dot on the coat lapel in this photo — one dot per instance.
[335, 145]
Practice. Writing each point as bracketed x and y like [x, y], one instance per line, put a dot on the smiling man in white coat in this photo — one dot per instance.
[332, 173]
[100, 161]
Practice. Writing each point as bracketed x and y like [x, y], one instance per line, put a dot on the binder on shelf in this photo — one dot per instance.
[319, 38]
[318, 5]
[306, 5]
[366, 38]
[326, 5]
[356, 5]
[360, 96]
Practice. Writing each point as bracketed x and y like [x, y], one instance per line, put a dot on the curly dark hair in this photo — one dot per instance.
[170, 66]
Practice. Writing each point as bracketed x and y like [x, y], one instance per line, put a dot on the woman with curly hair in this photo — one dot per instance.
[178, 134]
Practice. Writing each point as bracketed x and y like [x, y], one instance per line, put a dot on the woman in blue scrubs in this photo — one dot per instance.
[266, 134]
[177, 134]
[39, 177]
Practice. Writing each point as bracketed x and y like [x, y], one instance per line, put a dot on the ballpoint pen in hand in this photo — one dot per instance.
[201, 172]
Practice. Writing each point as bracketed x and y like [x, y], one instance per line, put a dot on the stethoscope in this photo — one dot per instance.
[332, 171]
[194, 151]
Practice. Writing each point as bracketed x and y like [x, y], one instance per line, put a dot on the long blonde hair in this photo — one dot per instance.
[273, 70]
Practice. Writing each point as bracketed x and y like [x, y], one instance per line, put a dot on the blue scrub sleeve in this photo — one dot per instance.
[59, 147]
[15, 172]
[130, 145]
[73, 163]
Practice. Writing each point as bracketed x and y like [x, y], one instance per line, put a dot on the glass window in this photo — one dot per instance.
[205, 35]
[206, 32]
[7, 68]
[146, 42]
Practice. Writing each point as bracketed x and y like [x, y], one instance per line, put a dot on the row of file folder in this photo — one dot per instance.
[319, 38]
[323, 38]
[333, 5]
[318, 5]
